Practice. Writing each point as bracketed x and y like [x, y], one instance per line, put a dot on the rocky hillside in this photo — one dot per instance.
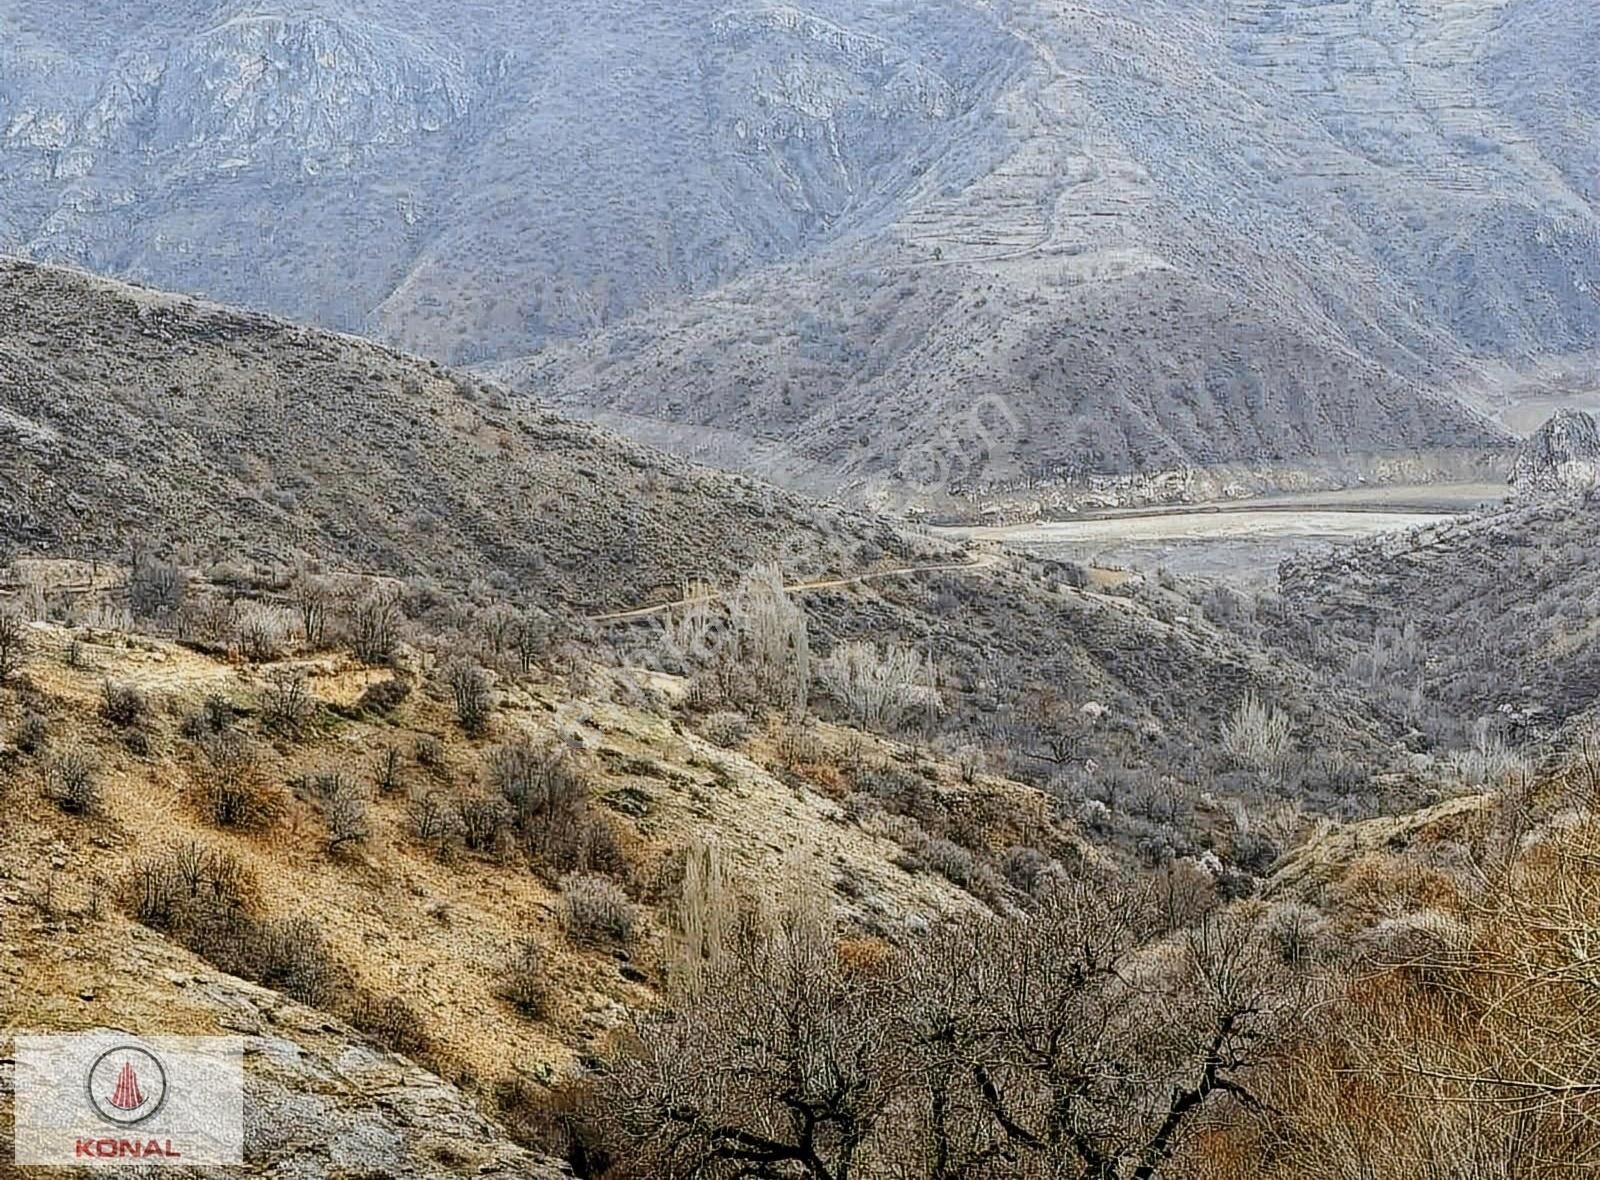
[1272, 234]
[128, 415]
[1562, 457]
[238, 446]
[1488, 617]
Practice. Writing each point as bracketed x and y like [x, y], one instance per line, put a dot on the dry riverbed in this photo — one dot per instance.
[1241, 541]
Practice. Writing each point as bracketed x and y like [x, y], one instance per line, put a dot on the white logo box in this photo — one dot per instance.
[107, 1099]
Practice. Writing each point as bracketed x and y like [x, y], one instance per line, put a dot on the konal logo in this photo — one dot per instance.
[127, 1085]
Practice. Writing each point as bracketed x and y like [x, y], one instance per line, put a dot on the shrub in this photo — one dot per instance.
[234, 792]
[263, 630]
[122, 705]
[384, 697]
[215, 716]
[880, 691]
[388, 772]
[727, 728]
[524, 985]
[536, 780]
[482, 822]
[156, 588]
[374, 626]
[286, 707]
[951, 861]
[595, 910]
[345, 813]
[430, 817]
[33, 733]
[1257, 734]
[391, 1022]
[429, 752]
[290, 956]
[470, 688]
[13, 645]
[71, 783]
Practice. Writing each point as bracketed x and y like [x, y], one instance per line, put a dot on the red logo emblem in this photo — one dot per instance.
[127, 1085]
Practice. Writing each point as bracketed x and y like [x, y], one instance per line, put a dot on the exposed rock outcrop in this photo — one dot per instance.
[1561, 458]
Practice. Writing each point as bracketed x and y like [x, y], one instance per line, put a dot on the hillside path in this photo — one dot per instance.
[981, 561]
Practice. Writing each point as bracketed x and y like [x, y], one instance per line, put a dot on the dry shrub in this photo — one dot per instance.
[262, 630]
[383, 697]
[595, 910]
[72, 782]
[726, 728]
[391, 1022]
[123, 705]
[471, 688]
[388, 772]
[233, 790]
[13, 644]
[525, 984]
[206, 899]
[286, 705]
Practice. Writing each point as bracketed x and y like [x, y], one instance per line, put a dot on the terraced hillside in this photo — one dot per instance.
[907, 250]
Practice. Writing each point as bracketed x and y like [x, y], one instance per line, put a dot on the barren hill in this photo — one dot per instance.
[1490, 616]
[1262, 235]
[126, 414]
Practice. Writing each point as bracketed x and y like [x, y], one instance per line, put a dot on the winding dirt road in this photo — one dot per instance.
[981, 561]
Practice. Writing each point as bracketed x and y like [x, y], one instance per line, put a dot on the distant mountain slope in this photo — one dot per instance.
[1164, 234]
[905, 378]
[1234, 234]
[468, 178]
[125, 413]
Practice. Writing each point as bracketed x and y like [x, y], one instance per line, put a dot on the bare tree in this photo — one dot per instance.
[880, 690]
[156, 588]
[1257, 734]
[374, 622]
[13, 645]
[345, 813]
[777, 1067]
[471, 688]
[532, 639]
[313, 598]
[773, 641]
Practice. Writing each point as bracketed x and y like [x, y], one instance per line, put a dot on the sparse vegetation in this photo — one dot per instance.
[72, 783]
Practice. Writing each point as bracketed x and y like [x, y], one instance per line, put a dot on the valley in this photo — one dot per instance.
[835, 590]
[1240, 542]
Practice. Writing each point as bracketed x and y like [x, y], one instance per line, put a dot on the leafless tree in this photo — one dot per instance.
[474, 699]
[313, 597]
[374, 622]
[879, 689]
[776, 1067]
[13, 645]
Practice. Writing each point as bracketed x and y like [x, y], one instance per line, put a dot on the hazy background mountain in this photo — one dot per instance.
[1158, 233]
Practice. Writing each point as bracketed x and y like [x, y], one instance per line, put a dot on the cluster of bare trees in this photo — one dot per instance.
[752, 651]
[1080, 1040]
[881, 688]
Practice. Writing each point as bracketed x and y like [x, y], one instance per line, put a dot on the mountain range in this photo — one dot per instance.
[911, 252]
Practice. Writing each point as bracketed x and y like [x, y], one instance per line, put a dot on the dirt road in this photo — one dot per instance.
[981, 561]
